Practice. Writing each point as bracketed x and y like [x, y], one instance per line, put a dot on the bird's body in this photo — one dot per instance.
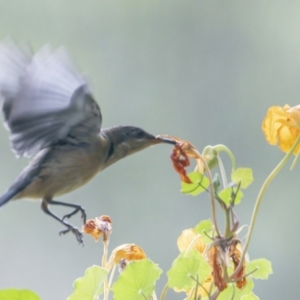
[51, 115]
[61, 169]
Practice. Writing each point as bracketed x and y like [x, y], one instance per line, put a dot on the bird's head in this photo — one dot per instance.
[127, 140]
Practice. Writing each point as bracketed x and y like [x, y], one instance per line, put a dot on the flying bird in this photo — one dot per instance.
[52, 117]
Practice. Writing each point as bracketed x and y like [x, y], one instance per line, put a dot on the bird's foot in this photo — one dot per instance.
[75, 231]
[74, 212]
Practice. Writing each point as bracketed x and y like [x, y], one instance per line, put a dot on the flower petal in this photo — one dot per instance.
[273, 121]
[187, 237]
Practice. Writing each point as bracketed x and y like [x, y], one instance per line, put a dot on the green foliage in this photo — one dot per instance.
[14, 294]
[233, 293]
[191, 269]
[229, 193]
[137, 281]
[186, 268]
[199, 184]
[90, 286]
[204, 228]
[262, 267]
[243, 175]
[250, 296]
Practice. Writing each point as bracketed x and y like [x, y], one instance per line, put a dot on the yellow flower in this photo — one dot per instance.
[282, 126]
[185, 239]
[128, 252]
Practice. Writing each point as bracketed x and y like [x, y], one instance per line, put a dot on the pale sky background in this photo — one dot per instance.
[205, 71]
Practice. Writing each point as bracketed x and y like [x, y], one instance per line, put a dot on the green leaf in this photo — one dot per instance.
[204, 228]
[186, 268]
[250, 296]
[14, 294]
[263, 268]
[199, 184]
[243, 175]
[233, 290]
[137, 281]
[227, 194]
[89, 287]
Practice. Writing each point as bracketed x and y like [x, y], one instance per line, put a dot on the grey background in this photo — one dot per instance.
[205, 71]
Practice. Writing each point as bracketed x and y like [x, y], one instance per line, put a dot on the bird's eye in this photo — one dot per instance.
[139, 134]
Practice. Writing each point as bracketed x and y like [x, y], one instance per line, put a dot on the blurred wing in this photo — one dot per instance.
[45, 99]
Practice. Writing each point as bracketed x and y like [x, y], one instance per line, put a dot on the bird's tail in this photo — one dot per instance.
[8, 196]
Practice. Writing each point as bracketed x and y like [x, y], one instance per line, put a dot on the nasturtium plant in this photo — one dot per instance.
[259, 268]
[242, 176]
[232, 292]
[186, 268]
[90, 286]
[229, 193]
[137, 281]
[212, 263]
[15, 294]
[204, 228]
[199, 184]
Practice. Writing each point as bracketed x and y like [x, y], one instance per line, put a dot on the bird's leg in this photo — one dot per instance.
[70, 227]
[75, 211]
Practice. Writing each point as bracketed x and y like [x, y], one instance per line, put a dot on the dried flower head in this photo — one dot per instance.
[97, 227]
[182, 151]
[235, 255]
[127, 252]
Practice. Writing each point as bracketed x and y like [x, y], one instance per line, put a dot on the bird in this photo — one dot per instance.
[52, 117]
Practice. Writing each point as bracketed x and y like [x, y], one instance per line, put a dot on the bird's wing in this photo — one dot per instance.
[45, 99]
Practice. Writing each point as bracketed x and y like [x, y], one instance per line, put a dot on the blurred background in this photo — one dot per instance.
[205, 71]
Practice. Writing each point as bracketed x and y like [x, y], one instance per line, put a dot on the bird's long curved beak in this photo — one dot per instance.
[162, 139]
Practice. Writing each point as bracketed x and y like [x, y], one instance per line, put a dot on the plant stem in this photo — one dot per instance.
[212, 198]
[223, 173]
[164, 292]
[104, 262]
[259, 200]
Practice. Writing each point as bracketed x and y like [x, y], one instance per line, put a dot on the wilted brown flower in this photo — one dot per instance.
[180, 162]
[128, 252]
[182, 151]
[97, 227]
[235, 255]
[217, 262]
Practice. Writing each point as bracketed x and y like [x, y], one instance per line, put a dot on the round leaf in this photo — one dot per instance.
[89, 287]
[137, 281]
[227, 194]
[186, 268]
[243, 175]
[262, 266]
[199, 184]
[204, 228]
[14, 294]
[233, 290]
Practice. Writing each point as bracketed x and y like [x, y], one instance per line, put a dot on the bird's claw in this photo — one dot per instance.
[75, 211]
[75, 231]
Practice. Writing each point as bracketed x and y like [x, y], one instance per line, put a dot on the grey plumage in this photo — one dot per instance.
[51, 115]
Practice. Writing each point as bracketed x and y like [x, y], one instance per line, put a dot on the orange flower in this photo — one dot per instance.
[185, 239]
[282, 126]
